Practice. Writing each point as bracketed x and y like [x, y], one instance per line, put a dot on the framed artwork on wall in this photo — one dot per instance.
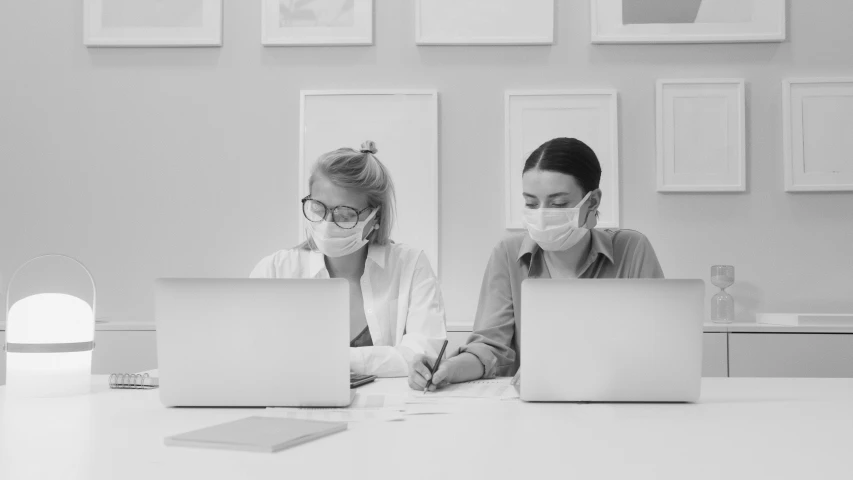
[404, 125]
[152, 23]
[687, 21]
[316, 22]
[484, 22]
[817, 132]
[534, 117]
[701, 135]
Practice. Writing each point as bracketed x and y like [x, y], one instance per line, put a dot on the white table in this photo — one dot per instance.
[742, 428]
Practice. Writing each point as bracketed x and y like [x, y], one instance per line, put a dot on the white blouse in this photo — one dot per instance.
[402, 303]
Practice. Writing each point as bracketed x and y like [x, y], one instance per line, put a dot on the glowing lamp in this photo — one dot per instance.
[49, 342]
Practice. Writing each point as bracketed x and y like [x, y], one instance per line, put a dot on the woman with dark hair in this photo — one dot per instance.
[562, 196]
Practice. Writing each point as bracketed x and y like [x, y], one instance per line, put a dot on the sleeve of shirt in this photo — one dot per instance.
[380, 361]
[494, 324]
[644, 261]
[425, 329]
[264, 269]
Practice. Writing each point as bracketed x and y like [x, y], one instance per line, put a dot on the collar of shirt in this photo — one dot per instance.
[530, 254]
[375, 254]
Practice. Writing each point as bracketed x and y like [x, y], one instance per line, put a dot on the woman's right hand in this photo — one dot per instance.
[419, 373]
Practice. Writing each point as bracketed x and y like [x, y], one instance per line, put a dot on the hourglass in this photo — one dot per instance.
[722, 304]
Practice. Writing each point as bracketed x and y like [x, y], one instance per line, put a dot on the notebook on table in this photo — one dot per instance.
[135, 381]
[257, 434]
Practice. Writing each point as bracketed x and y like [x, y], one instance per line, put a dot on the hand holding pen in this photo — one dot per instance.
[425, 375]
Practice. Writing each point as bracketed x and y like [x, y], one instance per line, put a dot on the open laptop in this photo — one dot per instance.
[253, 342]
[611, 340]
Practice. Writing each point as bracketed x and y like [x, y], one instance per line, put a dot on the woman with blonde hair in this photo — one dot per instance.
[396, 308]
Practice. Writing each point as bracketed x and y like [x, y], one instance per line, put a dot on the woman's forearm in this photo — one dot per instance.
[465, 367]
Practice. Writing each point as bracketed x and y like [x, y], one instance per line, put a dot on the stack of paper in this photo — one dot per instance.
[364, 407]
[497, 389]
[339, 414]
[458, 397]
[384, 407]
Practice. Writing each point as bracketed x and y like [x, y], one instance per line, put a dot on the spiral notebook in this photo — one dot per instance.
[134, 381]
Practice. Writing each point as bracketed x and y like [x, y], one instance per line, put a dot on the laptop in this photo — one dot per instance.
[611, 340]
[253, 342]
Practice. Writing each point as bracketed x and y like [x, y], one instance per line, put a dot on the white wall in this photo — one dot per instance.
[183, 162]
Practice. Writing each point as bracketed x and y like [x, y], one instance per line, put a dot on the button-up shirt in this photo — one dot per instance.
[495, 340]
[402, 303]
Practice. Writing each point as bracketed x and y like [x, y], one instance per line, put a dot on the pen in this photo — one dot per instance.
[435, 367]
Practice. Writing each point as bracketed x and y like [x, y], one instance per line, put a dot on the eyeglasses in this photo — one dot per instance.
[343, 216]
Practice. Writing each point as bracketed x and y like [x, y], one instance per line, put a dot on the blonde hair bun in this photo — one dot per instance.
[369, 147]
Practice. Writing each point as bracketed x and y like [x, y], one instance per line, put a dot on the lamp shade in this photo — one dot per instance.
[49, 343]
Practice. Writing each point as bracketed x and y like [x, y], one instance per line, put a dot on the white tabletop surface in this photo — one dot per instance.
[741, 428]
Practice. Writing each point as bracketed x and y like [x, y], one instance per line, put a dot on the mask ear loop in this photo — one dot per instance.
[375, 228]
[586, 219]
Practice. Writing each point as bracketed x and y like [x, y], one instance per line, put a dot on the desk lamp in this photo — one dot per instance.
[49, 341]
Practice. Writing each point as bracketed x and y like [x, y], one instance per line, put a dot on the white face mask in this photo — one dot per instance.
[555, 229]
[334, 241]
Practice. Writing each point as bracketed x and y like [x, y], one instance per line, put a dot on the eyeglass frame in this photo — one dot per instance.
[327, 210]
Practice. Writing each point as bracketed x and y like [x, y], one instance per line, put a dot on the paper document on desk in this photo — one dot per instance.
[373, 401]
[498, 389]
[364, 407]
[337, 414]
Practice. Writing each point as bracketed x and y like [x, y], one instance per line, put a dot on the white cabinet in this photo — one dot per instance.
[2, 358]
[790, 355]
[715, 355]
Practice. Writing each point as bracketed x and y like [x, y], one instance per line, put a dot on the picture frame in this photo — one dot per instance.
[404, 125]
[130, 23]
[687, 21]
[817, 134]
[317, 22]
[701, 135]
[484, 22]
[533, 117]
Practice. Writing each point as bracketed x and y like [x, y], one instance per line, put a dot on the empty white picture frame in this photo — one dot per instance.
[484, 22]
[534, 117]
[317, 22]
[152, 23]
[404, 125]
[687, 21]
[818, 134]
[701, 135]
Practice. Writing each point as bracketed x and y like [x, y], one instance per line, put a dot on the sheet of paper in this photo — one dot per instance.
[337, 414]
[374, 401]
[432, 408]
[364, 407]
[498, 389]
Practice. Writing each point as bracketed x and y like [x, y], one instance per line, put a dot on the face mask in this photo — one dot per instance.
[334, 241]
[555, 229]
